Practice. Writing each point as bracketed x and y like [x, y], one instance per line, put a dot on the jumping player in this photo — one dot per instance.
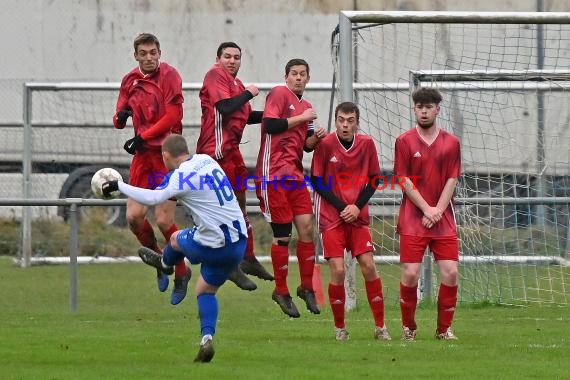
[152, 95]
[225, 113]
[280, 187]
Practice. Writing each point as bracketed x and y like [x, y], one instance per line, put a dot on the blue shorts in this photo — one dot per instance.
[217, 263]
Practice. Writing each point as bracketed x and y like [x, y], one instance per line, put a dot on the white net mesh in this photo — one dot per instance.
[506, 91]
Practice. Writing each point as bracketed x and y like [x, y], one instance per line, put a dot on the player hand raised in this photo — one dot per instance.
[320, 132]
[253, 90]
[309, 114]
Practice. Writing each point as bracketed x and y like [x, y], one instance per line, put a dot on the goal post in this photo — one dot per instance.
[506, 84]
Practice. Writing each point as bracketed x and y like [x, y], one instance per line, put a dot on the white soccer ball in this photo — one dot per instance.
[102, 176]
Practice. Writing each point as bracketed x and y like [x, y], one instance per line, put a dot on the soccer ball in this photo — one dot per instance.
[102, 176]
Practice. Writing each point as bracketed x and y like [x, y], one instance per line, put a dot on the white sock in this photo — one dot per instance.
[206, 338]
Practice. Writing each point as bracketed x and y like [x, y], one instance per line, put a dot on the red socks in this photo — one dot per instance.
[337, 299]
[408, 302]
[446, 303]
[249, 247]
[280, 262]
[180, 268]
[376, 300]
[306, 258]
[145, 236]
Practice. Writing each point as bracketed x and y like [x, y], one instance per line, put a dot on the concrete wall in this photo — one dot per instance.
[91, 39]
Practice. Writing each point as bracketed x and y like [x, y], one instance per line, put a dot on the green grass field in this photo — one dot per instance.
[125, 329]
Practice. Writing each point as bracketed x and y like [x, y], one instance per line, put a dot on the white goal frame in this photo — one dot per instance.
[511, 80]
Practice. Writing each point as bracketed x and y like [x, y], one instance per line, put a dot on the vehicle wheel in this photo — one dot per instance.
[78, 185]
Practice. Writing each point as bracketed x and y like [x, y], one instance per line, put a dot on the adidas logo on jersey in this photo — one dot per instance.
[291, 107]
[333, 159]
[417, 154]
[368, 244]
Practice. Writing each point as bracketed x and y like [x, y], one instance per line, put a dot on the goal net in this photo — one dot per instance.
[506, 86]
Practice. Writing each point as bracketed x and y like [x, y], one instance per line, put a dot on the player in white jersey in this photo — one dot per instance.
[218, 238]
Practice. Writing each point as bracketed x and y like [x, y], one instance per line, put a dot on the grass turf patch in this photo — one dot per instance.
[125, 329]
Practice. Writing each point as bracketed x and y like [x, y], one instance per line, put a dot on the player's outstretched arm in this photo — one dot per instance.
[145, 196]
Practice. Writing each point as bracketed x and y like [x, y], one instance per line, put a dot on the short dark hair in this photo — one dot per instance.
[296, 62]
[225, 45]
[347, 107]
[426, 95]
[175, 145]
[146, 38]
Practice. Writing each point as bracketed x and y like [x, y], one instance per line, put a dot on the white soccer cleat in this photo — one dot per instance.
[381, 333]
[447, 335]
[341, 334]
[408, 335]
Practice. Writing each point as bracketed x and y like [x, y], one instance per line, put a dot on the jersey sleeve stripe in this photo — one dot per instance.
[218, 133]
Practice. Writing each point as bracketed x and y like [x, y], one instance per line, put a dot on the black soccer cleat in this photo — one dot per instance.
[180, 287]
[153, 259]
[241, 280]
[206, 352]
[310, 300]
[286, 304]
[254, 268]
[161, 280]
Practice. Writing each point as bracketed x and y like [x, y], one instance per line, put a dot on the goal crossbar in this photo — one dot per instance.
[492, 75]
[347, 19]
[450, 17]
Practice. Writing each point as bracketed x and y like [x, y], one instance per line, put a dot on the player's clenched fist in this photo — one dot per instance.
[253, 90]
[134, 144]
[123, 115]
[309, 114]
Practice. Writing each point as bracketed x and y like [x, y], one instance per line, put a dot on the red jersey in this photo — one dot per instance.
[147, 97]
[432, 166]
[281, 154]
[345, 172]
[220, 134]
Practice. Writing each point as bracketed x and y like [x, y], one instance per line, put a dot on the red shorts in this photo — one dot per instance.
[280, 201]
[357, 240]
[235, 169]
[412, 248]
[147, 169]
